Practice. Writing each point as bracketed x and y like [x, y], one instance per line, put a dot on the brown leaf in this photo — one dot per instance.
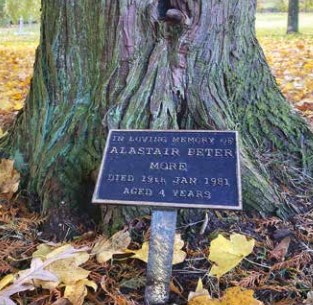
[62, 301]
[175, 289]
[281, 249]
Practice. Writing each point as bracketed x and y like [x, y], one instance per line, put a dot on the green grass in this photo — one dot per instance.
[272, 24]
[11, 34]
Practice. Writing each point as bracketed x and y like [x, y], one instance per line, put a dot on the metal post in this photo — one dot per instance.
[20, 26]
[159, 269]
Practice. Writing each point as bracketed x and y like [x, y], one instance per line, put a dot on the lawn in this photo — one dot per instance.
[30, 34]
[275, 24]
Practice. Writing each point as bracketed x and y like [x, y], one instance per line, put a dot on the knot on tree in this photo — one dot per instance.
[174, 15]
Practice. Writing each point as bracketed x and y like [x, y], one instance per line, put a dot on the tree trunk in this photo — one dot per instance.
[293, 17]
[148, 64]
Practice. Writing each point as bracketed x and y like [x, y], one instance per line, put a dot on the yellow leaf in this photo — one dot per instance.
[106, 248]
[178, 255]
[67, 272]
[76, 292]
[308, 66]
[8, 279]
[42, 251]
[9, 177]
[66, 269]
[5, 105]
[78, 258]
[227, 254]
[232, 296]
[203, 300]
[18, 105]
[239, 296]
[2, 133]
[201, 294]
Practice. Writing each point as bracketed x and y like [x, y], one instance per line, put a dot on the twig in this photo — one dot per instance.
[257, 264]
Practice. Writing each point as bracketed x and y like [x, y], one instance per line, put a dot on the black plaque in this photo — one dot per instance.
[187, 169]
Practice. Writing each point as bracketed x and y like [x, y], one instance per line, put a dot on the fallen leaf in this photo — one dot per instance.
[232, 296]
[305, 104]
[175, 289]
[292, 66]
[67, 273]
[2, 133]
[62, 301]
[36, 272]
[77, 292]
[5, 105]
[239, 296]
[25, 280]
[42, 251]
[178, 255]
[281, 249]
[16, 66]
[227, 254]
[65, 261]
[18, 105]
[8, 279]
[6, 301]
[105, 248]
[9, 177]
[201, 294]
[78, 256]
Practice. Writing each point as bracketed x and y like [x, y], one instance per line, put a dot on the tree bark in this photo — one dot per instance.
[293, 17]
[148, 64]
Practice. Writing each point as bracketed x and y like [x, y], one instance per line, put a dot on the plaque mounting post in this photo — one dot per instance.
[161, 246]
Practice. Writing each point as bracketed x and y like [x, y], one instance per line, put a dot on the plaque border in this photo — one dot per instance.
[97, 200]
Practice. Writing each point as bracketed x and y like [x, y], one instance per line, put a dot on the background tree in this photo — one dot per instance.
[13, 10]
[160, 65]
[282, 5]
[306, 5]
[29, 10]
[3, 20]
[293, 17]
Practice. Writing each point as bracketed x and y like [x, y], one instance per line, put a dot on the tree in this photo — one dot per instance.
[29, 10]
[159, 65]
[293, 17]
[3, 20]
[13, 10]
[306, 5]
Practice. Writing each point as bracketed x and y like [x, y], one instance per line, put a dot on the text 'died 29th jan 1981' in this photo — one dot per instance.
[192, 169]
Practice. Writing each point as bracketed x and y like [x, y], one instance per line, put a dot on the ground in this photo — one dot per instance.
[279, 270]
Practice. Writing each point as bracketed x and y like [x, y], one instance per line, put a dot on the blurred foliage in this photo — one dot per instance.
[3, 17]
[282, 5]
[29, 10]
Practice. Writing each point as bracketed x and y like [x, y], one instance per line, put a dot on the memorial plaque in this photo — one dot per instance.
[168, 168]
